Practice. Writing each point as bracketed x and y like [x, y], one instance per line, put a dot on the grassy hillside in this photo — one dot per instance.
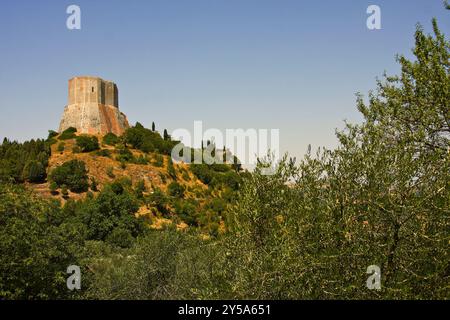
[166, 192]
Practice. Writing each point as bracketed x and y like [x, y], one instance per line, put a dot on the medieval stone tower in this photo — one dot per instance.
[93, 107]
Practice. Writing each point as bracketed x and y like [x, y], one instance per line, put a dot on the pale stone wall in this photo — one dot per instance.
[93, 118]
[93, 107]
[93, 89]
[111, 94]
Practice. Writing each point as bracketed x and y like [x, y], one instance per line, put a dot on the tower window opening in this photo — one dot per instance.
[92, 89]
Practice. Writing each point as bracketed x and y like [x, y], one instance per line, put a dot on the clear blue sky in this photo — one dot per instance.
[292, 65]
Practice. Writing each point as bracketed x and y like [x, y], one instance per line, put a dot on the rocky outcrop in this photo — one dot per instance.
[93, 107]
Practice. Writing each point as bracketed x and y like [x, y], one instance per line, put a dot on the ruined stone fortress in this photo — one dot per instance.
[93, 107]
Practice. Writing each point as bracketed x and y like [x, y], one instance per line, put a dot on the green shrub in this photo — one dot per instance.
[159, 160]
[51, 134]
[159, 199]
[53, 188]
[60, 147]
[72, 174]
[230, 179]
[176, 190]
[67, 134]
[117, 187]
[51, 141]
[141, 160]
[220, 167]
[217, 205]
[125, 181]
[125, 155]
[216, 175]
[110, 172]
[42, 157]
[186, 176]
[120, 237]
[76, 149]
[110, 139]
[140, 189]
[87, 143]
[111, 216]
[64, 191]
[147, 146]
[202, 172]
[104, 153]
[34, 172]
[187, 212]
[148, 141]
[213, 229]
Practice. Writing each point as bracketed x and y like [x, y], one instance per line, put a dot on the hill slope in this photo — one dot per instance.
[188, 195]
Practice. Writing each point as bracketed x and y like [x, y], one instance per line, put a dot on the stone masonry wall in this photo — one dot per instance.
[93, 107]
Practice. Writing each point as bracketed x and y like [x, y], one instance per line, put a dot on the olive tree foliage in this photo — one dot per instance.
[381, 198]
[36, 246]
[398, 163]
[164, 264]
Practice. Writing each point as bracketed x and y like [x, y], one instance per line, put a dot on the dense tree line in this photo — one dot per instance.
[20, 162]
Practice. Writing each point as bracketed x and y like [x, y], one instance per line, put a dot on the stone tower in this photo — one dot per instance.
[93, 107]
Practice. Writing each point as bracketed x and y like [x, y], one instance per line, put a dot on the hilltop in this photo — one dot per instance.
[78, 167]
